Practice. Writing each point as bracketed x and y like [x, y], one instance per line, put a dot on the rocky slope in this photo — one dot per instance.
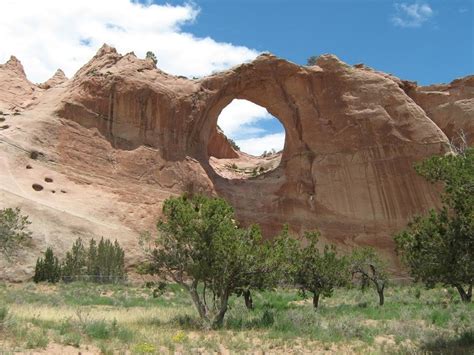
[121, 136]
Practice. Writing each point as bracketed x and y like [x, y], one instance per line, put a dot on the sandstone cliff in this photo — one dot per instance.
[121, 136]
[450, 106]
[57, 79]
[15, 89]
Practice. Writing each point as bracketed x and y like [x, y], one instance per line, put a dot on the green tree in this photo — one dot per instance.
[74, 265]
[315, 271]
[13, 230]
[39, 271]
[200, 247]
[152, 56]
[312, 60]
[91, 260]
[369, 268]
[439, 247]
[47, 268]
[270, 270]
[109, 263]
[103, 262]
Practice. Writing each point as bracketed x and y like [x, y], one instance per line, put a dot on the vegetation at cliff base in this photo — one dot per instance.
[102, 262]
[210, 284]
[111, 318]
[439, 247]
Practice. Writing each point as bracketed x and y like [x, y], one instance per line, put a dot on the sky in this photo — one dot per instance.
[428, 41]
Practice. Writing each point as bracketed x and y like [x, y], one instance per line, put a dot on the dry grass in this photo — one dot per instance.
[125, 319]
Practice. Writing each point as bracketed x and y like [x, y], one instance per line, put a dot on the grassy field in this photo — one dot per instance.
[89, 318]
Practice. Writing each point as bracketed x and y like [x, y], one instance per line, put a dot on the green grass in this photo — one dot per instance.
[37, 339]
[123, 318]
[3, 315]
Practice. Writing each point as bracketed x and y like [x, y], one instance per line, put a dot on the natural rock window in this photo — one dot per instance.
[248, 141]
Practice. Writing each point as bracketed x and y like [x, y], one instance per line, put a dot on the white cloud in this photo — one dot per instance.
[239, 119]
[50, 34]
[256, 146]
[242, 120]
[411, 15]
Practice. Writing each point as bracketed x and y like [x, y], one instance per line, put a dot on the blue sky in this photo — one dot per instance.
[434, 50]
[428, 41]
[424, 41]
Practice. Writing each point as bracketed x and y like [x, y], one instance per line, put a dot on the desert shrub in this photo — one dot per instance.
[73, 339]
[98, 329]
[101, 329]
[13, 230]
[233, 144]
[312, 60]
[152, 56]
[37, 339]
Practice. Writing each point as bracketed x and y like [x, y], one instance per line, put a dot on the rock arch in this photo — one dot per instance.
[352, 136]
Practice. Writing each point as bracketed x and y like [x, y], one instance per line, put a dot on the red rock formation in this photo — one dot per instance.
[352, 136]
[131, 131]
[450, 106]
[220, 147]
[15, 89]
[57, 79]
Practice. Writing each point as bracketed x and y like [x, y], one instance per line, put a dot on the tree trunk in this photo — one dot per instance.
[465, 296]
[315, 299]
[219, 318]
[381, 296]
[248, 299]
[201, 308]
[380, 286]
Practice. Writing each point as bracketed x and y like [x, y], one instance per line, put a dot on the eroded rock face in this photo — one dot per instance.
[57, 79]
[126, 129]
[220, 147]
[16, 91]
[450, 106]
[352, 136]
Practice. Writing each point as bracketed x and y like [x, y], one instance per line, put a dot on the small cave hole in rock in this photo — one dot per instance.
[247, 142]
[37, 187]
[63, 191]
[36, 155]
[5, 127]
[53, 191]
[48, 179]
[29, 167]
